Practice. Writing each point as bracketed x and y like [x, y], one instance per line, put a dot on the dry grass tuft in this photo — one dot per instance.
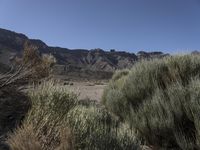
[27, 138]
[24, 138]
[66, 140]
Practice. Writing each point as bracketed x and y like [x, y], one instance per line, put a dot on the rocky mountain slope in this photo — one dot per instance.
[72, 62]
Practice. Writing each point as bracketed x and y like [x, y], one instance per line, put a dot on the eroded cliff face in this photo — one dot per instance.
[72, 61]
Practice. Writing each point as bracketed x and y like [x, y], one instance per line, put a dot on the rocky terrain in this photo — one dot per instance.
[95, 63]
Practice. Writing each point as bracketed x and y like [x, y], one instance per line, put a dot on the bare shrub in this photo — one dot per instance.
[39, 64]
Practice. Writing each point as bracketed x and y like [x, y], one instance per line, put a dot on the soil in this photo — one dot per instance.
[88, 90]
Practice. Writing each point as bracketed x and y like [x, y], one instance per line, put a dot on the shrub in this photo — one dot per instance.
[14, 104]
[50, 105]
[160, 100]
[24, 139]
[95, 128]
[119, 74]
[57, 121]
[52, 101]
[39, 65]
[113, 97]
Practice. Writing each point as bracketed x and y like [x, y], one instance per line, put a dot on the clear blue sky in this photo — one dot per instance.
[132, 25]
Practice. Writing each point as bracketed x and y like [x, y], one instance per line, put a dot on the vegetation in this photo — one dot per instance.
[119, 74]
[58, 121]
[50, 117]
[39, 65]
[50, 105]
[113, 95]
[160, 101]
[95, 128]
[53, 118]
[14, 104]
[156, 103]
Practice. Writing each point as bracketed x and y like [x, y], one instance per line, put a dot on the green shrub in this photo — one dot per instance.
[52, 101]
[160, 100]
[94, 128]
[113, 94]
[119, 74]
[58, 121]
[50, 105]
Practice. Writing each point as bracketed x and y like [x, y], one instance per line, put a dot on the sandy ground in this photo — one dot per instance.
[85, 90]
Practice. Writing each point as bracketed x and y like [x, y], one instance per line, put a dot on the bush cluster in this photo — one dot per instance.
[160, 100]
[44, 124]
[58, 121]
[94, 128]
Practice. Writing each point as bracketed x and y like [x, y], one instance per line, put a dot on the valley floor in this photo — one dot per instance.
[88, 90]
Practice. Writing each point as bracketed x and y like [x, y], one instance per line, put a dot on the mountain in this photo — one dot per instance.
[76, 62]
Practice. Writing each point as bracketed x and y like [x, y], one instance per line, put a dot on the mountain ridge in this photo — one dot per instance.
[74, 61]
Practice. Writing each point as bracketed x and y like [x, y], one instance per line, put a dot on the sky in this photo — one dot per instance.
[129, 25]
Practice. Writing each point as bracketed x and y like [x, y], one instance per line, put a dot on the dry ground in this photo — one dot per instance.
[88, 90]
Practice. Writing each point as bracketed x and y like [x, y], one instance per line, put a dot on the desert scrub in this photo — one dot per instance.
[14, 104]
[160, 100]
[119, 74]
[39, 65]
[26, 138]
[50, 105]
[58, 121]
[113, 96]
[94, 128]
[51, 100]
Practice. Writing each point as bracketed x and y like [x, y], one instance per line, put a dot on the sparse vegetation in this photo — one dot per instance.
[98, 82]
[156, 103]
[58, 121]
[50, 105]
[39, 65]
[14, 104]
[24, 139]
[160, 101]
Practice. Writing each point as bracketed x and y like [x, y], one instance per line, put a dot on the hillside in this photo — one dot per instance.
[76, 62]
